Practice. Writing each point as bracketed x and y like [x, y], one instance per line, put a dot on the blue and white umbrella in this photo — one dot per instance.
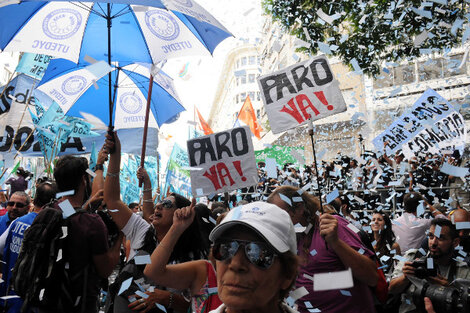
[146, 31]
[81, 91]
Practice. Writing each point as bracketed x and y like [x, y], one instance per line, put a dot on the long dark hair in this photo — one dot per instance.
[190, 246]
[386, 236]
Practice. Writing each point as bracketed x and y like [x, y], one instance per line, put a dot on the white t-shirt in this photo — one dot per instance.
[135, 231]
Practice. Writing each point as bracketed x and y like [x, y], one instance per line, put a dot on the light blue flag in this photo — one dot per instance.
[33, 65]
[93, 156]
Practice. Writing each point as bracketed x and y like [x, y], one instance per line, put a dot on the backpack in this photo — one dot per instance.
[40, 276]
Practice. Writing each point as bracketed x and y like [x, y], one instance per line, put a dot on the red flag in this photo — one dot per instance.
[248, 116]
[205, 127]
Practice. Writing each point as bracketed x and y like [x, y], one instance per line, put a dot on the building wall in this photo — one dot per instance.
[238, 80]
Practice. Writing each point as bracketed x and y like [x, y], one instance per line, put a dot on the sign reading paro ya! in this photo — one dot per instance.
[221, 162]
[299, 92]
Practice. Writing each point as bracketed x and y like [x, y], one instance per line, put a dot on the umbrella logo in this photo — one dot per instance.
[130, 103]
[162, 25]
[62, 23]
[73, 85]
[186, 3]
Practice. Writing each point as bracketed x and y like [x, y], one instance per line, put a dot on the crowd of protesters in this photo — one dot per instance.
[394, 228]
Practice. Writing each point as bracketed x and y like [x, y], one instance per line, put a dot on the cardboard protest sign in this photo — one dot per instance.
[431, 124]
[222, 162]
[296, 93]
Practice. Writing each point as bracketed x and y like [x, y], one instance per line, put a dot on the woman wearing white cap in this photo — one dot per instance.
[255, 251]
[254, 247]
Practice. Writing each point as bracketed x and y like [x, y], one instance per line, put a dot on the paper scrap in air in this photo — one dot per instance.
[334, 280]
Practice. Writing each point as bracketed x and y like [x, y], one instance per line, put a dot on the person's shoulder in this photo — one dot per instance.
[4, 218]
[26, 218]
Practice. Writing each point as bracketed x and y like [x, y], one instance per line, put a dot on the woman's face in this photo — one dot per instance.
[163, 214]
[243, 286]
[378, 222]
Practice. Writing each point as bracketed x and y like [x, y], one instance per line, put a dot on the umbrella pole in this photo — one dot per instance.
[146, 125]
[108, 19]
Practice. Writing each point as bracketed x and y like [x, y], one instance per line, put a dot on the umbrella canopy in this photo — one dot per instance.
[147, 32]
[78, 89]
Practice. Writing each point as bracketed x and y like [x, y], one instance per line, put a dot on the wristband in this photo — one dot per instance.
[148, 189]
[148, 200]
[99, 167]
[109, 174]
[170, 301]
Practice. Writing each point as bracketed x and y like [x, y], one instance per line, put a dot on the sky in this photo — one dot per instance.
[244, 19]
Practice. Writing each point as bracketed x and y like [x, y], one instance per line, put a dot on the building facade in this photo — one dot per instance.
[238, 80]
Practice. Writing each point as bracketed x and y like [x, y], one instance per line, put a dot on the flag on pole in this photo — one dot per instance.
[248, 116]
[205, 127]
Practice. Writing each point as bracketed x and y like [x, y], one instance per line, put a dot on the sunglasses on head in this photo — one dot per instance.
[19, 205]
[258, 253]
[167, 204]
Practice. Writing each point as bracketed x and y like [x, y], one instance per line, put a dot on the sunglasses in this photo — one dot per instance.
[258, 253]
[167, 204]
[19, 205]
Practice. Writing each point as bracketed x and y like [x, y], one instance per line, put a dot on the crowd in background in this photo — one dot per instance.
[254, 250]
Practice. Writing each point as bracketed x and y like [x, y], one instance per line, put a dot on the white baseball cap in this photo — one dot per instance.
[268, 220]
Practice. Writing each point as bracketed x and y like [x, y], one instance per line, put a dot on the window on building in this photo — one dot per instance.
[252, 95]
[430, 69]
[242, 96]
[258, 60]
[451, 66]
[237, 99]
[243, 79]
[243, 60]
[384, 79]
[238, 81]
[404, 74]
[251, 78]
[258, 97]
[258, 114]
[251, 59]
[238, 64]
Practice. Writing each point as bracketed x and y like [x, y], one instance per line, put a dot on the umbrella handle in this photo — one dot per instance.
[111, 134]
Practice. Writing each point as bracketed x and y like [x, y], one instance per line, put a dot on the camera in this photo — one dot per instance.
[452, 299]
[421, 270]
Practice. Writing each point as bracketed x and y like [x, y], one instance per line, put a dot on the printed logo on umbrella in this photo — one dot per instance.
[130, 103]
[186, 3]
[62, 23]
[162, 24]
[73, 85]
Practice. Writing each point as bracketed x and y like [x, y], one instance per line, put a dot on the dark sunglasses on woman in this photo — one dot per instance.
[258, 253]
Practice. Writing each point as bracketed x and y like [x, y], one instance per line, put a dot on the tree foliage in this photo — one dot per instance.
[373, 32]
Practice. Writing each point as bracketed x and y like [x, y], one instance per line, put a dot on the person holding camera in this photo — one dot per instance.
[438, 268]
